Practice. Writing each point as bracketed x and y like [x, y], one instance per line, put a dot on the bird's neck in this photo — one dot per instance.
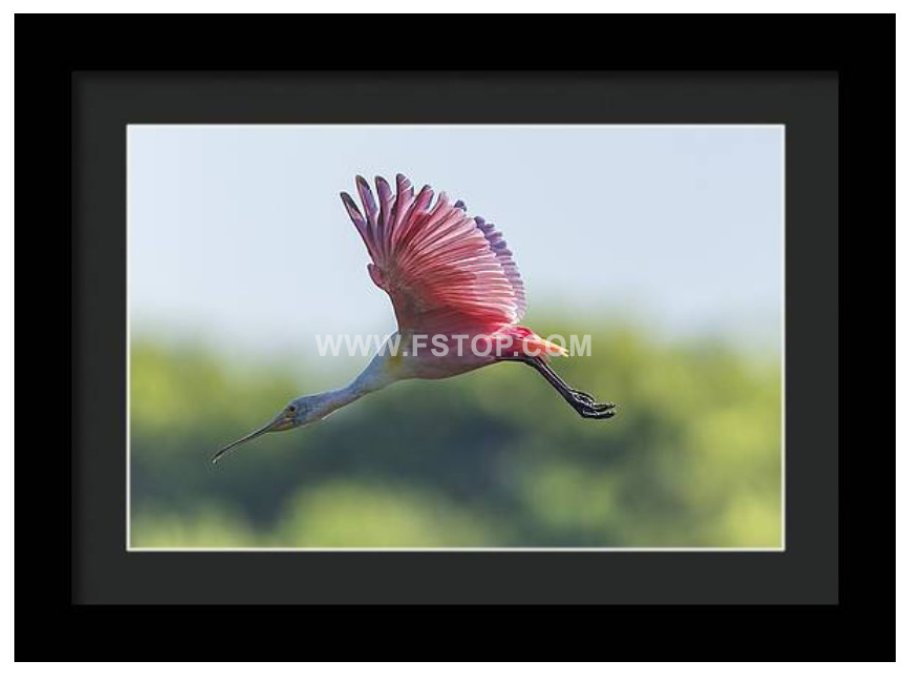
[373, 378]
[330, 401]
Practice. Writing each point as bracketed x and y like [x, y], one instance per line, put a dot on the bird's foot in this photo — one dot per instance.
[588, 408]
[582, 395]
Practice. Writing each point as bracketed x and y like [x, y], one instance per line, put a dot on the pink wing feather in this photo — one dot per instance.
[445, 272]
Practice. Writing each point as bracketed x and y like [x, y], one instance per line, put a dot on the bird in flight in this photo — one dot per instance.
[457, 295]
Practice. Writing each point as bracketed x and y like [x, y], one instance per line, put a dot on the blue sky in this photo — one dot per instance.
[237, 236]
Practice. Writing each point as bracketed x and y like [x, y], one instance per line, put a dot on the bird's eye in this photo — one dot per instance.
[291, 409]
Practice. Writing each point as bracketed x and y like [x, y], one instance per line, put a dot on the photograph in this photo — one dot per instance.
[560, 334]
[466, 337]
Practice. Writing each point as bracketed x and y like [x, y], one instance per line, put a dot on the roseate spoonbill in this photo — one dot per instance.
[457, 295]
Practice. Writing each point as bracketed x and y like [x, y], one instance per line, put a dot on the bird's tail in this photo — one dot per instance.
[526, 341]
[552, 349]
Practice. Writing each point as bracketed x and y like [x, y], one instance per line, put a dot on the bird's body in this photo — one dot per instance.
[457, 295]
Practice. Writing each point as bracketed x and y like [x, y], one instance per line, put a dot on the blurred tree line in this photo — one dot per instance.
[491, 458]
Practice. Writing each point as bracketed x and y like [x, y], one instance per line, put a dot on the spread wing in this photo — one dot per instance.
[446, 272]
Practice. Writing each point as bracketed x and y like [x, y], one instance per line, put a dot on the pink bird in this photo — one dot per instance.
[458, 298]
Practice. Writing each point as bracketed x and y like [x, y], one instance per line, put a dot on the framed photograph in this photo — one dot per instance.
[507, 334]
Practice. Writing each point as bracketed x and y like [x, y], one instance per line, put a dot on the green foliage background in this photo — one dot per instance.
[492, 458]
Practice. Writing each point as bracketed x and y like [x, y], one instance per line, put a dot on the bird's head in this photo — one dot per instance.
[299, 412]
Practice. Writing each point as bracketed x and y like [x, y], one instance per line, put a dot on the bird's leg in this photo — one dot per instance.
[585, 405]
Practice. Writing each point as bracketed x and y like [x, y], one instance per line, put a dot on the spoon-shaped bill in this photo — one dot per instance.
[274, 425]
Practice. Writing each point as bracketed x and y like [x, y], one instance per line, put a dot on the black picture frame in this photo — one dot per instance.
[72, 71]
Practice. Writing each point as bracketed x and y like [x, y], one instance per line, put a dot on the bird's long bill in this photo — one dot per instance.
[279, 423]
